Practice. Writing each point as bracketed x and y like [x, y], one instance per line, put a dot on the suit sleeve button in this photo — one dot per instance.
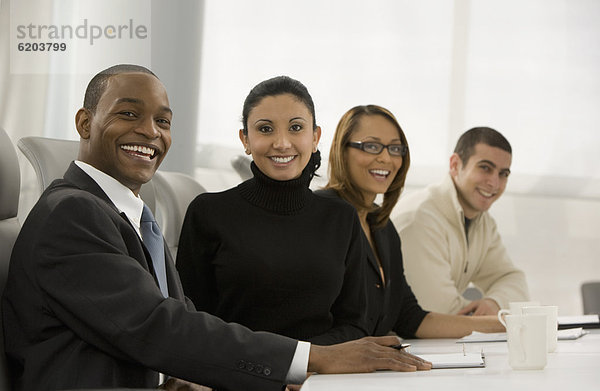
[250, 366]
[267, 371]
[259, 369]
[241, 364]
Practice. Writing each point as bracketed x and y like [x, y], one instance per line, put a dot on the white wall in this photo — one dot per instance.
[527, 68]
[556, 241]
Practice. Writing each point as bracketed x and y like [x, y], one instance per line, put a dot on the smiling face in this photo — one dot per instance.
[482, 180]
[129, 134]
[280, 136]
[373, 174]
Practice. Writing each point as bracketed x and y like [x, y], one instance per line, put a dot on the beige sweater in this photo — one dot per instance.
[439, 263]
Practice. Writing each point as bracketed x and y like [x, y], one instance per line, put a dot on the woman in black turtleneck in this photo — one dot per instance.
[269, 253]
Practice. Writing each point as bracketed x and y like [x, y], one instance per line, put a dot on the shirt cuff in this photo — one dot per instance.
[299, 366]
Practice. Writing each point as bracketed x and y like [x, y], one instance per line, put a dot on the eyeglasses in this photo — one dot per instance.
[375, 148]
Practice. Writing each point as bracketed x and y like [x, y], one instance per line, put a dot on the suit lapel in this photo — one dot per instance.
[175, 288]
[77, 177]
[371, 256]
[379, 241]
[383, 251]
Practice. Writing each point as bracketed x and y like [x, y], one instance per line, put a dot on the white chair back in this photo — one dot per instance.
[10, 184]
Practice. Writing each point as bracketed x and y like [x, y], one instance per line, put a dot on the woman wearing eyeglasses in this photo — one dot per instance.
[370, 156]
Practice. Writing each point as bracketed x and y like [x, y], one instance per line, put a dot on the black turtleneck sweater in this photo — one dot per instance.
[275, 257]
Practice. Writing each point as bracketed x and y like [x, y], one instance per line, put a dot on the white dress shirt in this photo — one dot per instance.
[123, 198]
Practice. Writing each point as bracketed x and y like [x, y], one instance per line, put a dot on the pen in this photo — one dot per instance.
[402, 346]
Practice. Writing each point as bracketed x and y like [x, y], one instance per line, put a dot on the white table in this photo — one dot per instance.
[575, 365]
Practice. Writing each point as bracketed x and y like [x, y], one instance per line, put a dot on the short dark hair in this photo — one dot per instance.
[465, 146]
[97, 85]
[278, 85]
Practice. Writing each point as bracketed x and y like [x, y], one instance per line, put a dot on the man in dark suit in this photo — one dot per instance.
[83, 307]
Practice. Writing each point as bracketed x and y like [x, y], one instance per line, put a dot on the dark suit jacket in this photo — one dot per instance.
[391, 306]
[82, 308]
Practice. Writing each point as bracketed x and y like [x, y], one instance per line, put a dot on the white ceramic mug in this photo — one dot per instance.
[526, 337]
[515, 306]
[551, 312]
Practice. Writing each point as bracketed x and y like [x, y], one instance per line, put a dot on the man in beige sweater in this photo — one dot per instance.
[448, 237]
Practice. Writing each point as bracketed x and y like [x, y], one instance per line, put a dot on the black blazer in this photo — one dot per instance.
[82, 308]
[391, 306]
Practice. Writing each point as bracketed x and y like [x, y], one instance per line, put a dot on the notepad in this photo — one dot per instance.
[454, 360]
[476, 336]
[573, 333]
[585, 321]
[565, 334]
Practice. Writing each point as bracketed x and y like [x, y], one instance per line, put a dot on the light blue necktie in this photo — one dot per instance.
[155, 244]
